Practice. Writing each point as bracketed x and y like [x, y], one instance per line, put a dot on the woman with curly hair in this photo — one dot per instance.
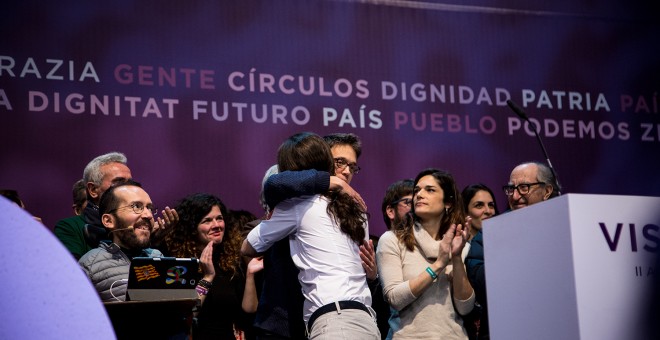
[227, 289]
[420, 265]
[324, 233]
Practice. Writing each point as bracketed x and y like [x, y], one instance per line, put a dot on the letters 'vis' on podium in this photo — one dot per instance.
[574, 267]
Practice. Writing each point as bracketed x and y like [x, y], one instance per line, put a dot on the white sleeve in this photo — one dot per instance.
[283, 222]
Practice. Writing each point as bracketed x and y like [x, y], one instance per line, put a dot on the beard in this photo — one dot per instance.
[129, 238]
[399, 220]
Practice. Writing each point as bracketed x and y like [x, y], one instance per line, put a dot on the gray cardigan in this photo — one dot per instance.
[106, 265]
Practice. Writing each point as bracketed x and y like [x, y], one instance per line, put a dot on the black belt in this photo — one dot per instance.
[331, 307]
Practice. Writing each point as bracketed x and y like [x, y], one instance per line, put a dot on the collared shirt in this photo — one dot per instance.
[329, 261]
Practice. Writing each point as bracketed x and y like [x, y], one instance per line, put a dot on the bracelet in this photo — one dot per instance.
[201, 291]
[432, 273]
[205, 284]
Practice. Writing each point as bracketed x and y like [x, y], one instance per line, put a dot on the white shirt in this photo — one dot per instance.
[328, 260]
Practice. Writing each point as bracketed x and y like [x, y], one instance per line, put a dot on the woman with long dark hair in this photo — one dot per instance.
[324, 233]
[479, 203]
[420, 265]
[227, 289]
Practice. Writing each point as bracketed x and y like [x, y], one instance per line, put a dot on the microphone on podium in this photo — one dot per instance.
[517, 110]
[520, 113]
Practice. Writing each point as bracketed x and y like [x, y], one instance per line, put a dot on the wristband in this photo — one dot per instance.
[201, 291]
[432, 273]
[205, 284]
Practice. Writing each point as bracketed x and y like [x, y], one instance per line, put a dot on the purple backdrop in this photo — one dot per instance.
[422, 83]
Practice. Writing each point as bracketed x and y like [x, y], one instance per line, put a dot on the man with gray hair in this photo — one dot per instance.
[99, 175]
[529, 183]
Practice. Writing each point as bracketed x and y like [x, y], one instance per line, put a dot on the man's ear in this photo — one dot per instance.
[108, 221]
[92, 190]
[390, 212]
[548, 191]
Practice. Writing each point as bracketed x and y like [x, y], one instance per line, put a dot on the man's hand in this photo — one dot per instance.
[368, 257]
[163, 225]
[339, 184]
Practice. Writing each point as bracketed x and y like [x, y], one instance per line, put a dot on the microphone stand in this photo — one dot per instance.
[524, 117]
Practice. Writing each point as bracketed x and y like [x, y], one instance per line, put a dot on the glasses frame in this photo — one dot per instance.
[509, 189]
[341, 163]
[409, 203]
[137, 208]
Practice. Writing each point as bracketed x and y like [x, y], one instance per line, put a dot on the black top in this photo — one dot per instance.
[474, 263]
[222, 309]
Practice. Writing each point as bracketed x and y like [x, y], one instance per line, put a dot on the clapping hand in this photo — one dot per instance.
[368, 257]
[163, 225]
[206, 262]
[453, 241]
[445, 248]
[169, 219]
[460, 237]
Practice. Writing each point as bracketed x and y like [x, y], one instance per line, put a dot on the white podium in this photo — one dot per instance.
[574, 267]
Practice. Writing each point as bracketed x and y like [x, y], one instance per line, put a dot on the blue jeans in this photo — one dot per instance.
[348, 324]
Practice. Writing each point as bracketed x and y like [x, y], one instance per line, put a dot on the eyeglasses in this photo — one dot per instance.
[406, 201]
[341, 163]
[138, 208]
[523, 189]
